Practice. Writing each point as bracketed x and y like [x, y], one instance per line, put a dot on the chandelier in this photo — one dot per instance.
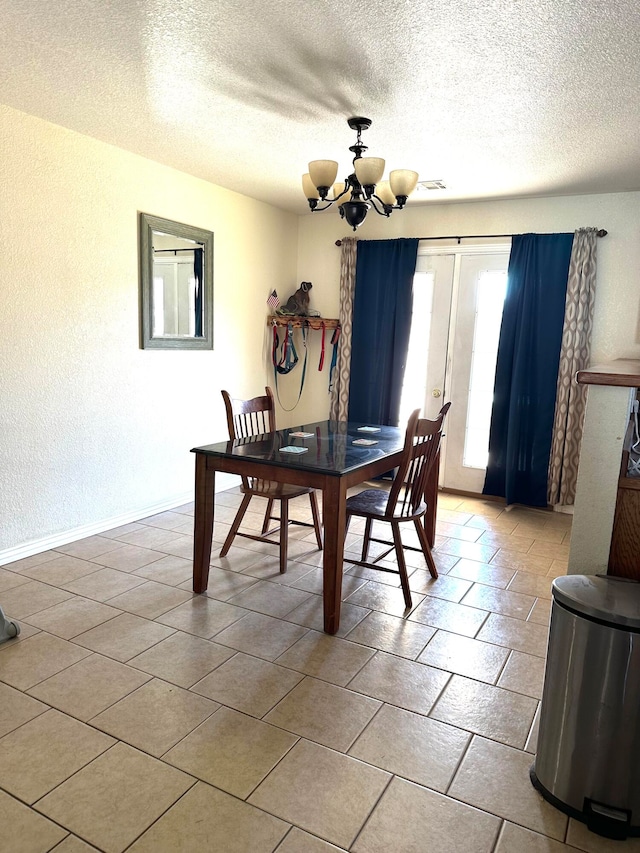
[361, 190]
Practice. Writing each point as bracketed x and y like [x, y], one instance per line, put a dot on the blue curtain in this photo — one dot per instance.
[381, 325]
[527, 368]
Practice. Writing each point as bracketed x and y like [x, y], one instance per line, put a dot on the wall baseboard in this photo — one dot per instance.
[37, 546]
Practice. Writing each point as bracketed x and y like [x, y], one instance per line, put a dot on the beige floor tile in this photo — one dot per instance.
[270, 598]
[483, 573]
[522, 562]
[468, 550]
[46, 751]
[89, 686]
[25, 831]
[324, 713]
[261, 635]
[447, 587]
[16, 708]
[392, 634]
[104, 584]
[531, 585]
[168, 520]
[123, 637]
[88, 548]
[495, 778]
[532, 741]
[311, 614]
[479, 506]
[556, 551]
[33, 560]
[544, 533]
[457, 531]
[122, 782]
[541, 612]
[169, 569]
[202, 616]
[515, 838]
[223, 585]
[324, 792]
[9, 580]
[412, 819]
[150, 599]
[400, 682]
[523, 674]
[558, 569]
[329, 658]
[149, 537]
[451, 616]
[485, 710]
[206, 819]
[155, 716]
[23, 601]
[454, 653]
[248, 684]
[72, 844]
[231, 751]
[298, 841]
[123, 530]
[268, 568]
[63, 569]
[182, 659]
[128, 558]
[500, 524]
[180, 545]
[420, 749]
[503, 601]
[313, 581]
[238, 558]
[581, 838]
[515, 634]
[73, 617]
[510, 541]
[382, 597]
[25, 663]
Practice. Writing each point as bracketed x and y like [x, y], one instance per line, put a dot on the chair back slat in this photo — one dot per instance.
[246, 418]
[421, 447]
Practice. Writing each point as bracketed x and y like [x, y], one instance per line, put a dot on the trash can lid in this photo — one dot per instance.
[611, 599]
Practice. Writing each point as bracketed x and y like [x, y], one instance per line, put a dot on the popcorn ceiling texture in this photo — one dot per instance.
[498, 99]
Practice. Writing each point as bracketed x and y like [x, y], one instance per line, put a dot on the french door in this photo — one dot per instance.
[457, 311]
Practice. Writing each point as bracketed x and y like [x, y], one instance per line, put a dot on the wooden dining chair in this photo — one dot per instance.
[254, 417]
[405, 501]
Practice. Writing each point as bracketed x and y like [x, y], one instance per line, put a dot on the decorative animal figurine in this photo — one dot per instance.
[298, 302]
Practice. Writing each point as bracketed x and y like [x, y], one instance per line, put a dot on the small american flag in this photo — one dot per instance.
[273, 302]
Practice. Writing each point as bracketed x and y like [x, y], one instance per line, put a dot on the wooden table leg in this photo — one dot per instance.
[203, 522]
[431, 497]
[334, 499]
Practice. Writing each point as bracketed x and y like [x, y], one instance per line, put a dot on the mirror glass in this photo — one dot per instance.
[176, 280]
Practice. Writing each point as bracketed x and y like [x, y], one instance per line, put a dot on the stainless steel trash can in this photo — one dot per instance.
[588, 756]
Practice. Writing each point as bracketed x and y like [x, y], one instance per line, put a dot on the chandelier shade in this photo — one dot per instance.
[363, 189]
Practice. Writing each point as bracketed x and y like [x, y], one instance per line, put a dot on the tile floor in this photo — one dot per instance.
[136, 716]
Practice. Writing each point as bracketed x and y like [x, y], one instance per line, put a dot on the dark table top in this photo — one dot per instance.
[330, 447]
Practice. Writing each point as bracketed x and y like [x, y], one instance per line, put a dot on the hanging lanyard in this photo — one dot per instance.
[288, 360]
[334, 356]
[321, 364]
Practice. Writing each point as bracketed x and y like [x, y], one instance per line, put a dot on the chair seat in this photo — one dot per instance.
[274, 491]
[372, 503]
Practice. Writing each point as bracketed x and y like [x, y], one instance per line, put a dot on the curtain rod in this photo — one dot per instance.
[600, 233]
[157, 251]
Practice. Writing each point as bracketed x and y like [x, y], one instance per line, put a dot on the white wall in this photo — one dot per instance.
[92, 427]
[617, 313]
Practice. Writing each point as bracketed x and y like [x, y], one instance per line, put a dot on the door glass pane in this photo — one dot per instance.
[492, 285]
[415, 375]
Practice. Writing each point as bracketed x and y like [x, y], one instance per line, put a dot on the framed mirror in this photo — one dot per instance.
[176, 285]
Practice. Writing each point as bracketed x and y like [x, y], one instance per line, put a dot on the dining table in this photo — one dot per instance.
[334, 456]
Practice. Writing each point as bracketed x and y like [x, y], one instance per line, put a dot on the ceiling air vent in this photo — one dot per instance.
[423, 186]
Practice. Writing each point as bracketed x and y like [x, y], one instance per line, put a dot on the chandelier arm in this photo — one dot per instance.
[316, 209]
[386, 208]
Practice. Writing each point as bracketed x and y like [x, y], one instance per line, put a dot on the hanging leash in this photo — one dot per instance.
[321, 364]
[288, 360]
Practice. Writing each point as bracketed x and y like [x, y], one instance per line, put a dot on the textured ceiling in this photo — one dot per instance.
[496, 98]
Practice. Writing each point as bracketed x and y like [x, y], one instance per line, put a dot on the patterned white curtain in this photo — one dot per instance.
[574, 356]
[340, 388]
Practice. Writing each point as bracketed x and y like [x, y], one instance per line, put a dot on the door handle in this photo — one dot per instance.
[436, 392]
